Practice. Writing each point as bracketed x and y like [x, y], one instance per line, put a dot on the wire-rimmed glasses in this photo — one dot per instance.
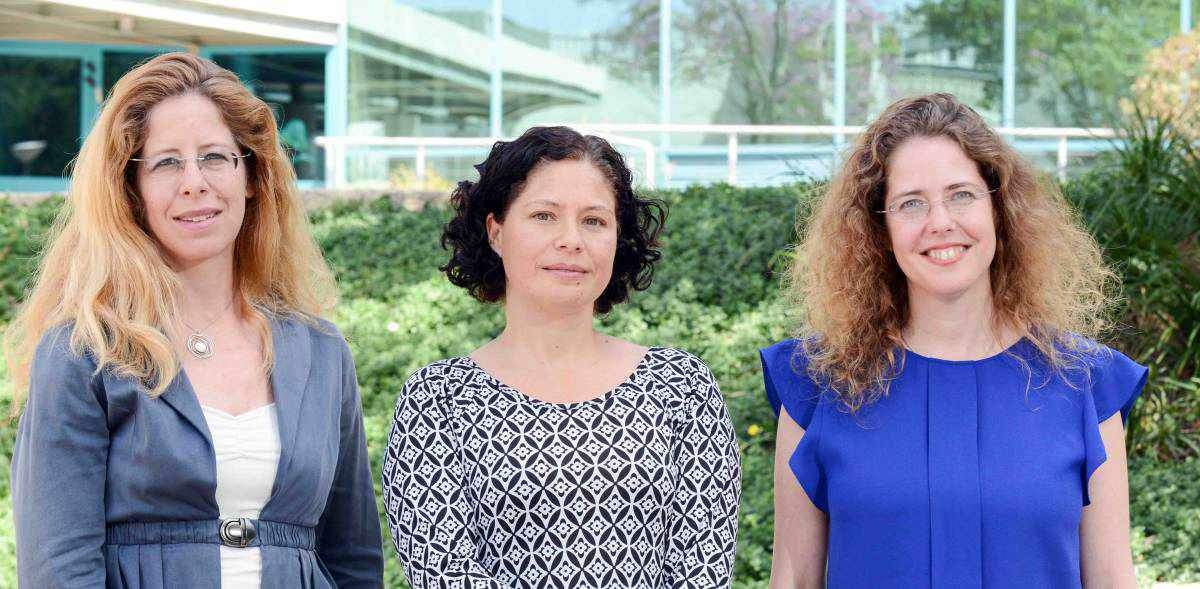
[912, 209]
[215, 165]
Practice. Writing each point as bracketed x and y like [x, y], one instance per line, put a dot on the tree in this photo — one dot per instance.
[775, 55]
[1169, 87]
[1075, 58]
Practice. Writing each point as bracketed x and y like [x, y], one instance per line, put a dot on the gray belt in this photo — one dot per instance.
[237, 533]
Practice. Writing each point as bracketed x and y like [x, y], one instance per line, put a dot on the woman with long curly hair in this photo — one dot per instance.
[946, 417]
[190, 420]
[555, 455]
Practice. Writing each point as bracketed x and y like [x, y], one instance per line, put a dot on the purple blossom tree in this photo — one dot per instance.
[775, 55]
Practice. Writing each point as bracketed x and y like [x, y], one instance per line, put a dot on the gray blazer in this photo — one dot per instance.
[112, 488]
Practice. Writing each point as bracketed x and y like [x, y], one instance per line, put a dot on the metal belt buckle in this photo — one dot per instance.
[237, 533]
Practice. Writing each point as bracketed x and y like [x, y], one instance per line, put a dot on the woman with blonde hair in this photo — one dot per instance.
[946, 418]
[190, 421]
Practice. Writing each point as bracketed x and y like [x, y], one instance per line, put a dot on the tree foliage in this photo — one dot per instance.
[775, 57]
[1168, 88]
[1074, 57]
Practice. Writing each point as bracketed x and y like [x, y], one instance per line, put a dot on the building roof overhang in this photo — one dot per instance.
[188, 24]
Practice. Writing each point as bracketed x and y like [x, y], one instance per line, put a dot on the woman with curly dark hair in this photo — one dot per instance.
[556, 455]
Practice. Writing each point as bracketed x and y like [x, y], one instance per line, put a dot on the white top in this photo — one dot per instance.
[247, 449]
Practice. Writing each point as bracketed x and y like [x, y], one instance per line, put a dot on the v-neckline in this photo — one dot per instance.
[290, 373]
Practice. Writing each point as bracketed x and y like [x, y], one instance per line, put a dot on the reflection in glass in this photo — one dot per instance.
[39, 124]
[576, 61]
[917, 47]
[118, 63]
[399, 90]
[1077, 58]
[293, 84]
[430, 78]
[752, 62]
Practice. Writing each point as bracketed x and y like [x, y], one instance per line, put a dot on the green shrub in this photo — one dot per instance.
[756, 520]
[8, 431]
[22, 231]
[1142, 203]
[716, 294]
[378, 248]
[1165, 509]
[714, 233]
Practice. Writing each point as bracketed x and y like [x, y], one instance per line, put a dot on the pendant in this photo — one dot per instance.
[200, 346]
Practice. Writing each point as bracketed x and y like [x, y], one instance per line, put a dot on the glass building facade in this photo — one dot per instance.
[491, 68]
[50, 94]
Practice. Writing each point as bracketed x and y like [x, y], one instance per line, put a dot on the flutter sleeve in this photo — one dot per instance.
[1114, 384]
[789, 386]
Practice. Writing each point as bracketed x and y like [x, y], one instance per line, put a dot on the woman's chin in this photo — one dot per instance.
[566, 299]
[947, 290]
[199, 254]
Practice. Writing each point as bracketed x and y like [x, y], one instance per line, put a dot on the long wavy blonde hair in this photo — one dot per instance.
[1048, 278]
[102, 269]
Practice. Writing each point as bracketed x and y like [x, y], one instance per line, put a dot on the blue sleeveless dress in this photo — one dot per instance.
[968, 474]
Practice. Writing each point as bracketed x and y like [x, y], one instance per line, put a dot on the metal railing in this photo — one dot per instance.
[418, 148]
[839, 134]
[337, 148]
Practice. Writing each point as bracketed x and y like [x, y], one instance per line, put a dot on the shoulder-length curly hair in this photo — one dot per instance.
[1048, 278]
[476, 267]
[103, 270]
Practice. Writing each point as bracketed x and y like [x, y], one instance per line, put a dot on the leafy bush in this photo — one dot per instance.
[1142, 202]
[378, 248]
[716, 232]
[1165, 509]
[22, 230]
[8, 542]
[716, 294]
[1168, 83]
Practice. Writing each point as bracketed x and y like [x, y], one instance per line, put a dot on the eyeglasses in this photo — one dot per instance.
[913, 209]
[214, 165]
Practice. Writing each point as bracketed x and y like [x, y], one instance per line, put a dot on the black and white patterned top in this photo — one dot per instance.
[639, 487]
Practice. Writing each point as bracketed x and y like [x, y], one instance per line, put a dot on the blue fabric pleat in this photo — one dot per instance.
[150, 565]
[128, 562]
[955, 506]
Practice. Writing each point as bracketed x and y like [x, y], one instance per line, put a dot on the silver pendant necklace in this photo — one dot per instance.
[199, 345]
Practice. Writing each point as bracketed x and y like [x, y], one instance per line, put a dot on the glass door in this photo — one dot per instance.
[41, 101]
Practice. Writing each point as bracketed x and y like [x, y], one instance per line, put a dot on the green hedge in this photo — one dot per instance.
[22, 231]
[715, 294]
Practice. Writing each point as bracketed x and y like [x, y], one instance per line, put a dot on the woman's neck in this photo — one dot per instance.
[962, 327]
[547, 337]
[207, 289]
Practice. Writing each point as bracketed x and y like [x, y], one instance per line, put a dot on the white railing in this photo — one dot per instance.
[336, 148]
[839, 134]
